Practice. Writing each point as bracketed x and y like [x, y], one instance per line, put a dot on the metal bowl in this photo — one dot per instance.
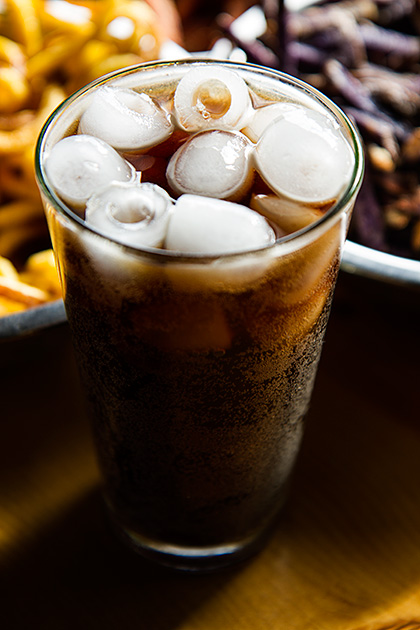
[32, 321]
[358, 260]
[375, 265]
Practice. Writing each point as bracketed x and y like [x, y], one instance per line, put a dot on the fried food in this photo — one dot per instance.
[49, 49]
[36, 284]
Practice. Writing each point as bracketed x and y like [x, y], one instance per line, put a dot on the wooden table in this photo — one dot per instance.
[345, 553]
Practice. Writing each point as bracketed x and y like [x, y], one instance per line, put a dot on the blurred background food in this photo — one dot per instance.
[364, 54]
[49, 49]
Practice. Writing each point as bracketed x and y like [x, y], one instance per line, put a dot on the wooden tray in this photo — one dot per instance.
[345, 553]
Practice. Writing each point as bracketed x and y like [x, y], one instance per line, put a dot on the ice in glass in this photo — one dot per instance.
[197, 211]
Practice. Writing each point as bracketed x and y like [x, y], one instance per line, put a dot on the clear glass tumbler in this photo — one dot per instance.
[198, 368]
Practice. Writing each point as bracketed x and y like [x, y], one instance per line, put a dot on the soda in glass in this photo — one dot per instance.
[198, 211]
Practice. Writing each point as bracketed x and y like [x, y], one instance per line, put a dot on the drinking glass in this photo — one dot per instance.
[198, 368]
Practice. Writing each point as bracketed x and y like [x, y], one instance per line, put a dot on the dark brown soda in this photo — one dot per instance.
[199, 376]
[198, 397]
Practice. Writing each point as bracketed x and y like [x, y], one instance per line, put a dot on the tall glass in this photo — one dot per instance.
[198, 368]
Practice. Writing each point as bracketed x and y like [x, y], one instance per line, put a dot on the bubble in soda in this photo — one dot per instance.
[125, 119]
[200, 225]
[133, 213]
[208, 97]
[79, 165]
[212, 163]
[304, 157]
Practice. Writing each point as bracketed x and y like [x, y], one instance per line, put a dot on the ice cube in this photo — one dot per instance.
[212, 163]
[209, 97]
[134, 214]
[263, 116]
[288, 216]
[304, 156]
[214, 226]
[77, 166]
[125, 119]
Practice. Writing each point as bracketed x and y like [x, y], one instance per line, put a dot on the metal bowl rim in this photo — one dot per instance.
[376, 265]
[32, 320]
[357, 259]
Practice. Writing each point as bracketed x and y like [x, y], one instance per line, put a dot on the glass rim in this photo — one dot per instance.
[294, 238]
